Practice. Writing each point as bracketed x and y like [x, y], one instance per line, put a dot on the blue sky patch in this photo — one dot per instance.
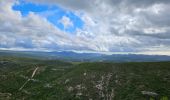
[52, 13]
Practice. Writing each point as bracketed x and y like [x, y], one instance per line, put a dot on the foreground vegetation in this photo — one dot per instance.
[57, 80]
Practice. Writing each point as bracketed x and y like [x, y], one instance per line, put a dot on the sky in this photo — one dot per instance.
[124, 26]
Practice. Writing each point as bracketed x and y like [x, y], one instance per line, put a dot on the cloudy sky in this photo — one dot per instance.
[137, 26]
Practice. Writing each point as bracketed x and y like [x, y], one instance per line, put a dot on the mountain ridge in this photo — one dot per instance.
[86, 57]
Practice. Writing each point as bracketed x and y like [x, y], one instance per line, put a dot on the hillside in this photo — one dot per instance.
[58, 80]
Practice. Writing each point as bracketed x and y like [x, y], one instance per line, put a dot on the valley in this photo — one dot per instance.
[59, 80]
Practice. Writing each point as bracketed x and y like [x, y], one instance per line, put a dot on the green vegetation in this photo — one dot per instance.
[58, 80]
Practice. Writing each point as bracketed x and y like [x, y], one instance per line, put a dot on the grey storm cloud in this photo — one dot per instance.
[90, 5]
[71, 4]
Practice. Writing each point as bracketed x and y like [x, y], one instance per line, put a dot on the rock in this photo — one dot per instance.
[66, 81]
[70, 89]
[5, 96]
[48, 85]
[85, 74]
[149, 93]
[79, 94]
[78, 87]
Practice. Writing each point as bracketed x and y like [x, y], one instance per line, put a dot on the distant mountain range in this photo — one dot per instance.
[87, 57]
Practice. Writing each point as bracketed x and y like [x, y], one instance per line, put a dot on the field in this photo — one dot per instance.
[58, 80]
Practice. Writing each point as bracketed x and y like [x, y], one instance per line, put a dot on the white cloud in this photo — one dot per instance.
[109, 25]
[66, 22]
[139, 28]
[32, 32]
[154, 30]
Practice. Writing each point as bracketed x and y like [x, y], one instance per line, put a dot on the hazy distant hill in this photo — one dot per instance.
[87, 57]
